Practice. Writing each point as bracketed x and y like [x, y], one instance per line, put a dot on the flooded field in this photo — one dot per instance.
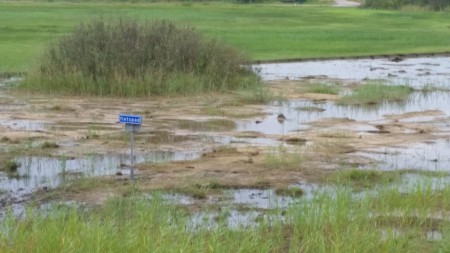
[300, 113]
[417, 72]
[196, 146]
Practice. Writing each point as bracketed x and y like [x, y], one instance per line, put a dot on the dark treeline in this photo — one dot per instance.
[398, 4]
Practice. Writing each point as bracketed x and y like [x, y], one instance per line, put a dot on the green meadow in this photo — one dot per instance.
[265, 32]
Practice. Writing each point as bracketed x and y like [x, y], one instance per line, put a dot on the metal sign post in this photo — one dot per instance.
[132, 124]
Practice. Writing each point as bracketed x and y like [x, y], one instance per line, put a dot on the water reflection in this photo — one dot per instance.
[417, 72]
[423, 156]
[26, 125]
[298, 119]
[38, 172]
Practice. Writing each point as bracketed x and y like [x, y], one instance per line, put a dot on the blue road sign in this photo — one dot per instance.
[130, 119]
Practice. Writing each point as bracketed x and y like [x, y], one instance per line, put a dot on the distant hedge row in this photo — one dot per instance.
[398, 4]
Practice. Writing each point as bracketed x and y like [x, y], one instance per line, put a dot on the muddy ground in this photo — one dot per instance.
[205, 142]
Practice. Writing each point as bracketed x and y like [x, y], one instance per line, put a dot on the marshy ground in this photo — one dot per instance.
[329, 159]
[74, 148]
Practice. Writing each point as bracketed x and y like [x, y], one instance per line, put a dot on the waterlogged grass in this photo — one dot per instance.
[359, 179]
[256, 95]
[49, 145]
[323, 88]
[339, 222]
[290, 192]
[311, 109]
[376, 93]
[121, 226]
[330, 221]
[266, 32]
[282, 158]
[422, 199]
[213, 125]
[200, 190]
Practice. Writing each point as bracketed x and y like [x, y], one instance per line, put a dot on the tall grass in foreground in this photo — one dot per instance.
[127, 58]
[332, 221]
[376, 93]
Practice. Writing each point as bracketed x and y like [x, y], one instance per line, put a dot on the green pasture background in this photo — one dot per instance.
[264, 31]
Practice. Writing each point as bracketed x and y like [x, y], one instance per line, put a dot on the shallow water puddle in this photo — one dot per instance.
[298, 119]
[422, 156]
[6, 82]
[23, 125]
[262, 199]
[433, 235]
[411, 181]
[232, 219]
[416, 72]
[39, 172]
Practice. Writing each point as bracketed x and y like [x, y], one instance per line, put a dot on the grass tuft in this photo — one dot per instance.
[375, 94]
[365, 178]
[330, 221]
[323, 88]
[5, 139]
[201, 190]
[48, 145]
[10, 166]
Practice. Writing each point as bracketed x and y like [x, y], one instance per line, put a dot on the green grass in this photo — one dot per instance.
[290, 192]
[10, 167]
[282, 158]
[266, 32]
[49, 145]
[360, 179]
[329, 221]
[376, 93]
[200, 190]
[323, 88]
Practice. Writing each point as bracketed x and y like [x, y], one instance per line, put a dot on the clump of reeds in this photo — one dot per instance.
[129, 58]
[390, 219]
[10, 166]
[48, 145]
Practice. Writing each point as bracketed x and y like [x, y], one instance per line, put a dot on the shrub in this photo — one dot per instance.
[128, 58]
